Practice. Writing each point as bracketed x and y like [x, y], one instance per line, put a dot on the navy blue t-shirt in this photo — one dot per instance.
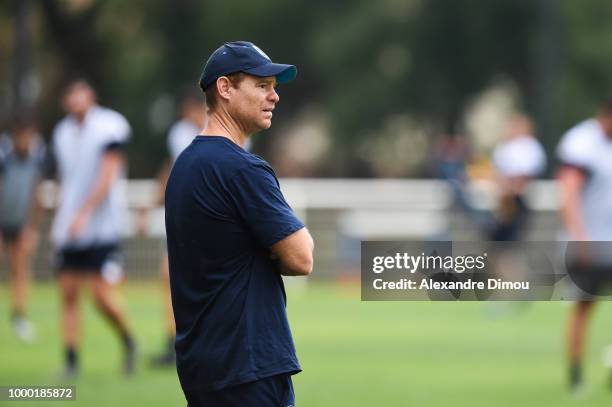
[224, 209]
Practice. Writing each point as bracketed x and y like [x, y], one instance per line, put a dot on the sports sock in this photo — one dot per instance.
[71, 357]
[16, 314]
[127, 340]
[575, 374]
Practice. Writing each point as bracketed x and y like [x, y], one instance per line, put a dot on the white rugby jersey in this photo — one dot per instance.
[78, 149]
[519, 157]
[180, 135]
[587, 147]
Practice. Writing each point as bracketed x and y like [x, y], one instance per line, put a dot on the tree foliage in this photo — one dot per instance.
[361, 62]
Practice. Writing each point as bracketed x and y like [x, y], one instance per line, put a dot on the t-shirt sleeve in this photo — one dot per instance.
[171, 143]
[180, 136]
[539, 161]
[260, 203]
[521, 158]
[117, 132]
[575, 150]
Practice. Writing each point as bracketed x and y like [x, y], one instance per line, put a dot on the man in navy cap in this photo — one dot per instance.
[231, 235]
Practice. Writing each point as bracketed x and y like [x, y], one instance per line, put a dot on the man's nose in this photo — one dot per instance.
[274, 96]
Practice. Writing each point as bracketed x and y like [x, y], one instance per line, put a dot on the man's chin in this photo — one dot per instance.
[260, 126]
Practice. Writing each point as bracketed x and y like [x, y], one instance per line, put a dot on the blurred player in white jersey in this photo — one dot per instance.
[585, 179]
[89, 148]
[517, 160]
[181, 134]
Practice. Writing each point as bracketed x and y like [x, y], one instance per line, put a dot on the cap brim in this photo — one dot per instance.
[283, 73]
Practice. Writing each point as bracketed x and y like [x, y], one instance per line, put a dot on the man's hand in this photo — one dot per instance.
[78, 224]
[110, 167]
[142, 221]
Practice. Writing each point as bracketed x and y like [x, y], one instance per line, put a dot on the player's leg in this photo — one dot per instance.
[18, 277]
[107, 302]
[577, 331]
[18, 251]
[167, 357]
[70, 281]
[170, 324]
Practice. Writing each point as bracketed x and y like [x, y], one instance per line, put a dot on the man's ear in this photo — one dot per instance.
[223, 87]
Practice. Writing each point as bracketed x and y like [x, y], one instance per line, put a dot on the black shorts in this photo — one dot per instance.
[10, 234]
[591, 280]
[88, 259]
[511, 228]
[274, 391]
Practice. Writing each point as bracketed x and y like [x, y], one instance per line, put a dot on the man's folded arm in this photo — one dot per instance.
[294, 253]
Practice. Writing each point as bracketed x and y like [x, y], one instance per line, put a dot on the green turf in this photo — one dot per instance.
[353, 353]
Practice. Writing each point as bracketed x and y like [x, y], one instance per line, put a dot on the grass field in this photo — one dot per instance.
[353, 353]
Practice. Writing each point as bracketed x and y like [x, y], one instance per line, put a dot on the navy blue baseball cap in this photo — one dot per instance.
[243, 56]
